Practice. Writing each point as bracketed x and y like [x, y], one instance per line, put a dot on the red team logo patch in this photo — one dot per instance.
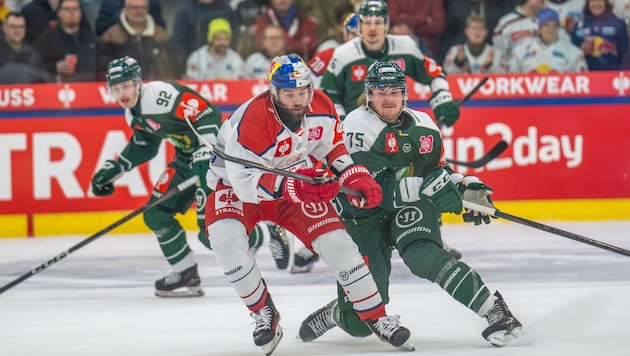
[190, 106]
[426, 144]
[315, 133]
[283, 148]
[358, 72]
[391, 143]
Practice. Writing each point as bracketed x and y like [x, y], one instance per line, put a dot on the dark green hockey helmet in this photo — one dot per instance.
[385, 75]
[123, 69]
[373, 8]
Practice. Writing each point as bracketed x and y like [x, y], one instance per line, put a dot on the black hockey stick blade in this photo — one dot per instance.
[499, 148]
[169, 194]
[466, 97]
[543, 227]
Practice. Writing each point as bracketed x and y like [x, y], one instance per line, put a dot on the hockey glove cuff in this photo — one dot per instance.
[444, 108]
[358, 178]
[298, 191]
[474, 191]
[200, 163]
[103, 180]
[438, 187]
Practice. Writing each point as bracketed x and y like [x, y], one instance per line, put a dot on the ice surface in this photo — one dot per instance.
[572, 298]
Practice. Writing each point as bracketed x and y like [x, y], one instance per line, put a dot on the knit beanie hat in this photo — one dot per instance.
[218, 25]
[547, 14]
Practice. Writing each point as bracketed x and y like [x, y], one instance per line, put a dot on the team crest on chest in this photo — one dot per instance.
[283, 147]
[315, 133]
[391, 143]
[426, 144]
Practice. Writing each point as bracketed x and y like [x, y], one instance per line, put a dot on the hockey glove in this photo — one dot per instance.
[298, 191]
[438, 187]
[476, 192]
[103, 180]
[444, 108]
[200, 163]
[357, 177]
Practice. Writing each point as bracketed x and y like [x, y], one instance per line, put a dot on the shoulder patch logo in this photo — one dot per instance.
[426, 144]
[358, 72]
[315, 133]
[190, 106]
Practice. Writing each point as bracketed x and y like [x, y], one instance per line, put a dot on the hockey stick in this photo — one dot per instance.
[466, 97]
[483, 160]
[169, 194]
[547, 228]
[261, 166]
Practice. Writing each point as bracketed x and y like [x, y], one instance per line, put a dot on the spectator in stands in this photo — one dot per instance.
[4, 10]
[475, 55]
[569, 12]
[404, 29]
[69, 49]
[547, 53]
[190, 26]
[41, 15]
[247, 11]
[602, 36]
[457, 12]
[621, 9]
[515, 27]
[274, 44]
[215, 60]
[137, 35]
[19, 62]
[328, 14]
[425, 17]
[109, 15]
[299, 28]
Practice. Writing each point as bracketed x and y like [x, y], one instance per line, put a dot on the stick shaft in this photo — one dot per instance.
[180, 188]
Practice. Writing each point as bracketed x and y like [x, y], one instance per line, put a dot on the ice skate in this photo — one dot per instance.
[503, 326]
[267, 333]
[304, 260]
[388, 329]
[180, 284]
[279, 246]
[320, 321]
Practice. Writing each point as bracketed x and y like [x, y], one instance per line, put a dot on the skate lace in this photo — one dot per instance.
[495, 314]
[387, 325]
[321, 323]
[305, 254]
[277, 243]
[172, 278]
[262, 319]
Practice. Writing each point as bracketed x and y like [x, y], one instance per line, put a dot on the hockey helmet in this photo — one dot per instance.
[374, 8]
[289, 71]
[351, 24]
[123, 69]
[381, 75]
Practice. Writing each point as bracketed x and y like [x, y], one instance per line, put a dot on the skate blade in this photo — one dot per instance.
[271, 346]
[407, 346]
[502, 338]
[184, 292]
[302, 269]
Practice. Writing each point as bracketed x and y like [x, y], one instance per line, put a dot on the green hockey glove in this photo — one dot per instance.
[103, 180]
[200, 163]
[476, 192]
[438, 187]
[444, 108]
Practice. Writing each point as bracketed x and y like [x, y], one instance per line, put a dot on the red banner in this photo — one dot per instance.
[54, 137]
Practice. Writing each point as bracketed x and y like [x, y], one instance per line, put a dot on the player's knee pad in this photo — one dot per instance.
[157, 219]
[229, 240]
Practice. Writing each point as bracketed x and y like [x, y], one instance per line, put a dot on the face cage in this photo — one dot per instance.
[369, 89]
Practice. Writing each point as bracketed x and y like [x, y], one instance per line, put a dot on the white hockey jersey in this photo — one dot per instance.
[533, 56]
[473, 64]
[569, 12]
[511, 29]
[255, 133]
[202, 64]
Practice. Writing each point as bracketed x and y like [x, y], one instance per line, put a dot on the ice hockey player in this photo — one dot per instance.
[292, 127]
[402, 149]
[155, 111]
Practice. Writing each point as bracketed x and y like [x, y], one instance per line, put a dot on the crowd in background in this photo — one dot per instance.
[73, 40]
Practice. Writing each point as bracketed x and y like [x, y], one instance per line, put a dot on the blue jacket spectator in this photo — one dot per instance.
[109, 14]
[602, 36]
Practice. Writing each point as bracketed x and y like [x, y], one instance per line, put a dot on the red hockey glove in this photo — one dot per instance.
[298, 191]
[357, 177]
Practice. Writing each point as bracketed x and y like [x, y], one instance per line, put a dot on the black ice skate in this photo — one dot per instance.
[267, 333]
[304, 260]
[388, 329]
[503, 326]
[180, 284]
[279, 246]
[320, 321]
